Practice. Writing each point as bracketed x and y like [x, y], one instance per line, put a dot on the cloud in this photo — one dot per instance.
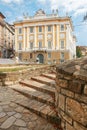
[12, 1]
[76, 6]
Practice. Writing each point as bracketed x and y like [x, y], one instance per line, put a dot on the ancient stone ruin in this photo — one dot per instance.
[71, 94]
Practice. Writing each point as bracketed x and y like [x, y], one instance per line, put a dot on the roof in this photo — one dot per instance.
[2, 15]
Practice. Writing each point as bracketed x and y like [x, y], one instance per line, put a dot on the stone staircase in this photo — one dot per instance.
[40, 96]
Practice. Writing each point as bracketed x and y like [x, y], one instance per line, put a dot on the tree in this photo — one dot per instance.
[85, 17]
[78, 52]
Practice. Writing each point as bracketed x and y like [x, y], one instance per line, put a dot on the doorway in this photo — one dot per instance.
[41, 58]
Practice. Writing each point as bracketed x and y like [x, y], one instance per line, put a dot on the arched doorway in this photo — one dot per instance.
[41, 58]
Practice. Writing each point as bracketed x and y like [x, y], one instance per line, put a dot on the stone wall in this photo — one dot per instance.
[9, 78]
[71, 94]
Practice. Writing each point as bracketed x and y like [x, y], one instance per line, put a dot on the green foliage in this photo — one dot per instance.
[78, 52]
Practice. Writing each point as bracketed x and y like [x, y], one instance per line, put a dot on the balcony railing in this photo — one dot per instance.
[39, 49]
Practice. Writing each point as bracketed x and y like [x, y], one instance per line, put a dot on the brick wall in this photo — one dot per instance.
[9, 78]
[71, 94]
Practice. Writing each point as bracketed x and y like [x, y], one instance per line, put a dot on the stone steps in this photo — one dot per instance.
[40, 96]
[50, 76]
[41, 109]
[34, 94]
[44, 80]
[38, 86]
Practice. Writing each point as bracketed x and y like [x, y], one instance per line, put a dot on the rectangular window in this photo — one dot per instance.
[31, 45]
[62, 57]
[40, 44]
[49, 44]
[62, 27]
[20, 46]
[19, 37]
[20, 30]
[31, 29]
[40, 29]
[49, 55]
[49, 28]
[62, 44]
[20, 56]
[31, 56]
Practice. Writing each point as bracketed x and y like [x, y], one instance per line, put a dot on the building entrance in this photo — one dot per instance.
[40, 58]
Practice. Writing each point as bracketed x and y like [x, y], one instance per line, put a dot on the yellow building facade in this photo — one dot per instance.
[47, 38]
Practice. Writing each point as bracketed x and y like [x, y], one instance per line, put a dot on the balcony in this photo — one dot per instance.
[38, 49]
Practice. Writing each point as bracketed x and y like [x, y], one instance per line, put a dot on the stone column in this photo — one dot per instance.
[53, 45]
[57, 37]
[27, 46]
[24, 38]
[35, 37]
[16, 39]
[45, 36]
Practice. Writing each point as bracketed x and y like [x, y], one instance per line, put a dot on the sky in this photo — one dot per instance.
[76, 9]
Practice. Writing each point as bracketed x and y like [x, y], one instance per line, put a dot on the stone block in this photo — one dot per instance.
[66, 117]
[75, 86]
[67, 93]
[63, 124]
[59, 75]
[61, 102]
[78, 126]
[85, 89]
[77, 111]
[68, 77]
[62, 83]
[69, 127]
[58, 89]
[8, 123]
[81, 98]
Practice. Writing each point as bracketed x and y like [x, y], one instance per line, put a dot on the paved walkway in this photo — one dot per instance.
[6, 61]
[15, 117]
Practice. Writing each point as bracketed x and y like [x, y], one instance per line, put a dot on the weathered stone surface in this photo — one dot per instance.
[77, 111]
[85, 89]
[75, 93]
[61, 102]
[18, 115]
[63, 124]
[59, 75]
[62, 83]
[3, 119]
[66, 117]
[1, 109]
[8, 123]
[19, 109]
[23, 128]
[75, 86]
[11, 113]
[78, 126]
[69, 127]
[67, 93]
[20, 122]
[81, 98]
[2, 114]
[82, 74]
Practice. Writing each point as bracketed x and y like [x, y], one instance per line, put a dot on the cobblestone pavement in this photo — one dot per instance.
[15, 117]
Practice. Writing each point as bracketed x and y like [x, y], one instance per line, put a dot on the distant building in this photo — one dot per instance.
[6, 38]
[48, 38]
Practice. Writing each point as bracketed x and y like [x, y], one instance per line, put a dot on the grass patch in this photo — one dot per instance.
[18, 68]
[13, 69]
